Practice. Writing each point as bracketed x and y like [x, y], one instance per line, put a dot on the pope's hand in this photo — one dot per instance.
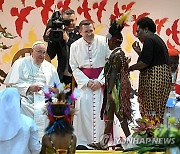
[34, 88]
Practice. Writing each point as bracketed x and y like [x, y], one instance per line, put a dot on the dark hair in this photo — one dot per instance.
[58, 109]
[115, 31]
[146, 22]
[85, 22]
[64, 128]
[60, 125]
[68, 11]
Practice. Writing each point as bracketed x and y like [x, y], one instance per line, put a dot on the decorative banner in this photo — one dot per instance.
[23, 22]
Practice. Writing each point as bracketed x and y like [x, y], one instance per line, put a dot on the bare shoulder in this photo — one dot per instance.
[45, 140]
[74, 138]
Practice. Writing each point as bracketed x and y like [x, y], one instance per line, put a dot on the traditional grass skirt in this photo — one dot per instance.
[154, 89]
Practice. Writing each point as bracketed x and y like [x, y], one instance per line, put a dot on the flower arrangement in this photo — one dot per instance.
[171, 133]
[162, 138]
[145, 127]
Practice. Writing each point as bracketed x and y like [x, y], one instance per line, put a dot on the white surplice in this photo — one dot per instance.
[87, 123]
[24, 73]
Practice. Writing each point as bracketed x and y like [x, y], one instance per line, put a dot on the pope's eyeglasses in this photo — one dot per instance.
[40, 52]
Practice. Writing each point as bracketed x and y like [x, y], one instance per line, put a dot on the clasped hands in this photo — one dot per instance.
[94, 85]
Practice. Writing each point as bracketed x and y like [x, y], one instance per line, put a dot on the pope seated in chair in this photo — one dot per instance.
[29, 75]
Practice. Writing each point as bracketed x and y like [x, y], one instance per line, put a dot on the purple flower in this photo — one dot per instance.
[55, 85]
[73, 97]
[47, 95]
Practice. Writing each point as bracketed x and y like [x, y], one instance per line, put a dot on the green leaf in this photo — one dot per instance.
[132, 149]
[134, 134]
[156, 132]
[142, 132]
[145, 149]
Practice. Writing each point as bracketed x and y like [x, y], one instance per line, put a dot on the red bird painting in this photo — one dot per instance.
[116, 12]
[128, 7]
[64, 5]
[136, 18]
[124, 7]
[23, 2]
[21, 17]
[172, 50]
[46, 9]
[160, 24]
[84, 9]
[100, 8]
[1, 3]
[174, 32]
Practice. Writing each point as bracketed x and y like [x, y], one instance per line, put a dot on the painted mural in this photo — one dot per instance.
[23, 21]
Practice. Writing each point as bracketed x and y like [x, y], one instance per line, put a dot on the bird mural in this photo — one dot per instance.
[21, 17]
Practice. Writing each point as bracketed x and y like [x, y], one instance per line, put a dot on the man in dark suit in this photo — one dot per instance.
[61, 47]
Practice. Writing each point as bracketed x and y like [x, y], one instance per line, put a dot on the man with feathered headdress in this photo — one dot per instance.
[117, 91]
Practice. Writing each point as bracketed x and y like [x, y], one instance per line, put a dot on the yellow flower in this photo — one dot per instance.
[152, 121]
[172, 120]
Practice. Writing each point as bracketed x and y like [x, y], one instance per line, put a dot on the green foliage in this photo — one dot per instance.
[161, 136]
[145, 128]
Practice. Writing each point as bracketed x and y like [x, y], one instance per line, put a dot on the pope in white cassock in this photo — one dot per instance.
[29, 75]
[87, 59]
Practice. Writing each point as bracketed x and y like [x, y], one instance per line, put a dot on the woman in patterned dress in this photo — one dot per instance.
[155, 73]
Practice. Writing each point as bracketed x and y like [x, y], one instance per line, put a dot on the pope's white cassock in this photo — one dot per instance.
[24, 73]
[88, 59]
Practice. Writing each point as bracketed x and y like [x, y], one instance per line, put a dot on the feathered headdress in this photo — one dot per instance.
[123, 19]
[117, 25]
[58, 106]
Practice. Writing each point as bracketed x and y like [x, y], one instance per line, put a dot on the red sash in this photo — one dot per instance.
[177, 88]
[92, 73]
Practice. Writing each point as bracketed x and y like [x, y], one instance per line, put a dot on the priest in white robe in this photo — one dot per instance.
[87, 59]
[29, 75]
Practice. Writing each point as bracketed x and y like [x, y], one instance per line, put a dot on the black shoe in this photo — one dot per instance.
[98, 146]
[119, 147]
[82, 147]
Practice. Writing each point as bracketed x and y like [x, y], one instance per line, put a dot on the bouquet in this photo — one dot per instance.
[159, 137]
